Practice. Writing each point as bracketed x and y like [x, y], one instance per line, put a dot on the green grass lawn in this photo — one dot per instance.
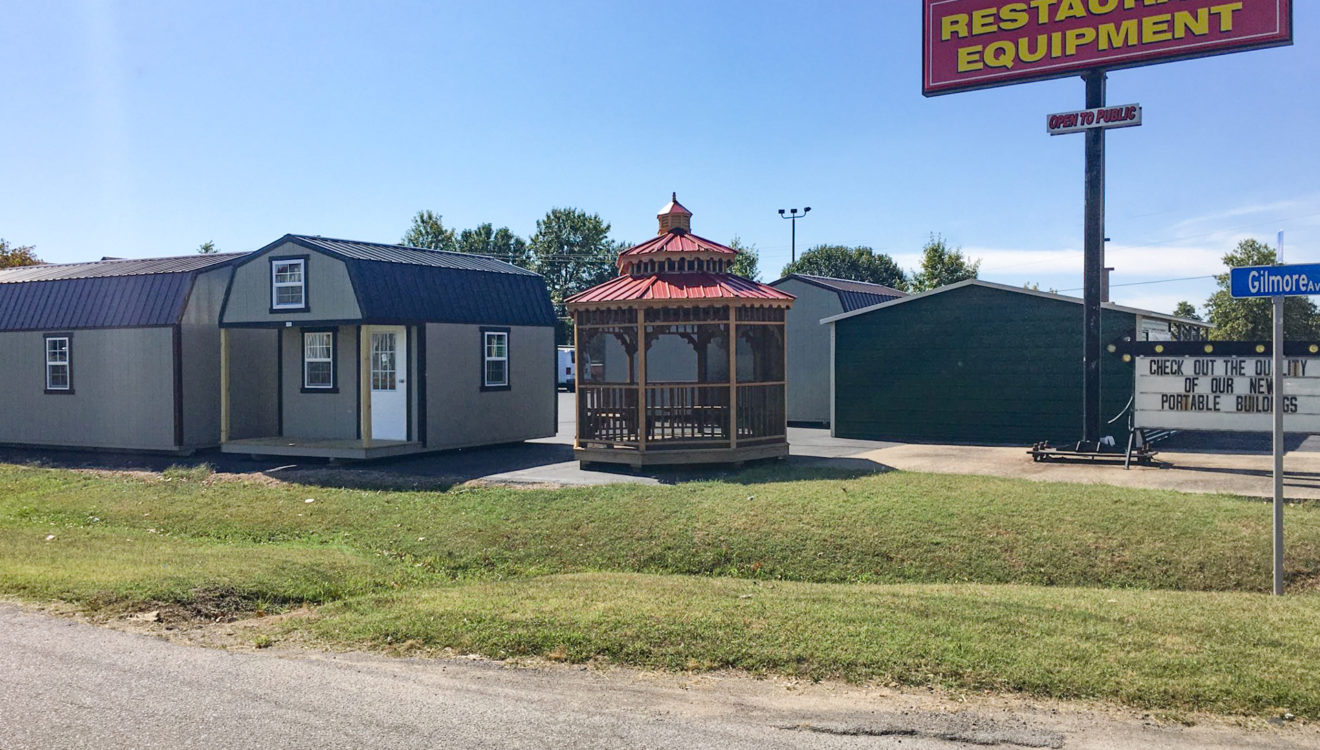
[1146, 597]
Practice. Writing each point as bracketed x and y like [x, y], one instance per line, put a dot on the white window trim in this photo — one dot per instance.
[330, 360]
[67, 364]
[487, 358]
[276, 286]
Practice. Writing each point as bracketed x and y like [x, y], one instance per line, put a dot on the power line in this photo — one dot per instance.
[1143, 283]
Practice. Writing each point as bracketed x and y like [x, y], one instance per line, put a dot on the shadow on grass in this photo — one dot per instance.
[533, 463]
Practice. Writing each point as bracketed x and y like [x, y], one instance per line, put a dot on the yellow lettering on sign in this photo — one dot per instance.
[1118, 35]
[969, 59]
[1225, 12]
[953, 25]
[1156, 28]
[1014, 16]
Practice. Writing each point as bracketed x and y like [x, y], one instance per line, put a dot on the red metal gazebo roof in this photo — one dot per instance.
[676, 241]
[680, 286]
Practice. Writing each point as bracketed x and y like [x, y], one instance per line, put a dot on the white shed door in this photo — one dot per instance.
[389, 383]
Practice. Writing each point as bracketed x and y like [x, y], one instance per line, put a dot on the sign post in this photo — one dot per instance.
[1277, 282]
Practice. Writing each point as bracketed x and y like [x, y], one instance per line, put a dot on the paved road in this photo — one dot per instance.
[69, 685]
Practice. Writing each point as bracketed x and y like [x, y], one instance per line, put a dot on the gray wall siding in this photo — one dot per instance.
[200, 334]
[329, 289]
[253, 383]
[459, 413]
[123, 390]
[809, 351]
[331, 416]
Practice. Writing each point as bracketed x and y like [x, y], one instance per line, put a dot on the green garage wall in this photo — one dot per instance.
[973, 365]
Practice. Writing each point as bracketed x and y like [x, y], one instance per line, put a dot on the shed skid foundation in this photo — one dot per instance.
[638, 460]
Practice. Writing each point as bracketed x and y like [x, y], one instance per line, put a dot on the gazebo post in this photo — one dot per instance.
[733, 376]
[641, 380]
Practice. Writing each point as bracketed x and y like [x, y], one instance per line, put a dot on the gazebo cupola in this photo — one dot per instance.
[679, 360]
[675, 249]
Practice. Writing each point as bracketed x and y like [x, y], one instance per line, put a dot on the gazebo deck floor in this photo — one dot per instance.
[677, 456]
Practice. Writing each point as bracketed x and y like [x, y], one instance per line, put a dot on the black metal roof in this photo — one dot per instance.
[853, 295]
[115, 268]
[418, 256]
[400, 284]
[100, 294]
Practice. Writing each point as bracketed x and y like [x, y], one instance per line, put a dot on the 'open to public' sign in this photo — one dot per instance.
[1121, 116]
[970, 44]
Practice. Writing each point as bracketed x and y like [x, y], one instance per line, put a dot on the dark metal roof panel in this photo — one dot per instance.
[857, 300]
[115, 268]
[100, 302]
[853, 295]
[394, 291]
[375, 252]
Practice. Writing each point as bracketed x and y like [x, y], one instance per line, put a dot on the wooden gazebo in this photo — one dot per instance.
[684, 395]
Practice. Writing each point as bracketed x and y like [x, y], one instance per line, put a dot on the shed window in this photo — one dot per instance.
[495, 370]
[288, 282]
[318, 360]
[58, 376]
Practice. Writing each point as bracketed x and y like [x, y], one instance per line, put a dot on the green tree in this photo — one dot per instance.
[859, 263]
[748, 262]
[207, 248]
[573, 251]
[942, 265]
[429, 231]
[1185, 309]
[17, 255]
[1252, 319]
[499, 243]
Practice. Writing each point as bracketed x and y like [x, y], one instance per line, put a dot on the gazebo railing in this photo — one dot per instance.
[681, 414]
[686, 414]
[607, 414]
[761, 415]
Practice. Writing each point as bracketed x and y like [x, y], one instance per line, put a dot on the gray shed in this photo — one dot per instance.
[113, 354]
[373, 350]
[819, 297]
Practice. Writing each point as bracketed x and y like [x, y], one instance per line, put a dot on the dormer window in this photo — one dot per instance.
[288, 284]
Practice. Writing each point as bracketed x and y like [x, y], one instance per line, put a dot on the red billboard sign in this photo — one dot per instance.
[972, 44]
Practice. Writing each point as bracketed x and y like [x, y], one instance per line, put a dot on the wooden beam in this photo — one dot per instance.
[641, 380]
[364, 383]
[733, 377]
[224, 385]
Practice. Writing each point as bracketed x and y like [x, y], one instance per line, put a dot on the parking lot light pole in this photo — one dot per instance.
[793, 216]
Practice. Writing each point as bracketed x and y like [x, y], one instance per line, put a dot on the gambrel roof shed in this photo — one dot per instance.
[101, 294]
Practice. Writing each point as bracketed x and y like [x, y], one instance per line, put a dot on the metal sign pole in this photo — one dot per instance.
[1093, 264]
[1277, 373]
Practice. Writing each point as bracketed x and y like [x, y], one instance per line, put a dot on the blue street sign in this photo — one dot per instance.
[1275, 281]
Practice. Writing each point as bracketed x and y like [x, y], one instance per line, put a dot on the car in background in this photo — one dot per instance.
[566, 368]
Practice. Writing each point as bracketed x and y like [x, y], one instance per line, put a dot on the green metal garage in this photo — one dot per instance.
[978, 362]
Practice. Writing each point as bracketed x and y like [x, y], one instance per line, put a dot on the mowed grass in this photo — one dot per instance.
[889, 528]
[1147, 597]
[1231, 653]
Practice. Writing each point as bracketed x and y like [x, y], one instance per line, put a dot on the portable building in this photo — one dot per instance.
[978, 362]
[113, 354]
[819, 297]
[372, 350]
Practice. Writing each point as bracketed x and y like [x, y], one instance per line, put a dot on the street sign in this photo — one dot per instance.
[1121, 116]
[1275, 281]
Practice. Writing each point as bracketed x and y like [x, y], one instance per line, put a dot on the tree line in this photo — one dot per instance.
[1252, 319]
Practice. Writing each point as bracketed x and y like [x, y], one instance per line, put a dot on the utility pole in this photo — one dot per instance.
[793, 216]
[1093, 265]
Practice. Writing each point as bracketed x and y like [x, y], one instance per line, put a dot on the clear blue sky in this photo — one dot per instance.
[144, 129]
